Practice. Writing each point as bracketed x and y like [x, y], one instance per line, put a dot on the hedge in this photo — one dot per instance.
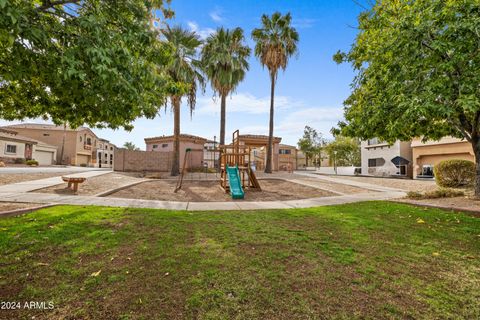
[455, 173]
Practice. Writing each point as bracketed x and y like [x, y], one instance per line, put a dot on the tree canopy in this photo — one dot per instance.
[418, 72]
[345, 151]
[224, 61]
[276, 41]
[311, 143]
[92, 61]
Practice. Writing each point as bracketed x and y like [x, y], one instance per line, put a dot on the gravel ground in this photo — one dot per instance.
[8, 178]
[457, 203]
[211, 191]
[8, 206]
[404, 184]
[94, 185]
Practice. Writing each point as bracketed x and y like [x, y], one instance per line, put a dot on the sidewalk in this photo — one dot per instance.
[28, 186]
[22, 192]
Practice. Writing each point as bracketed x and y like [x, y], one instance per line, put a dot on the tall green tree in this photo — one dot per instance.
[76, 62]
[344, 150]
[311, 143]
[418, 73]
[185, 69]
[224, 59]
[276, 42]
[130, 146]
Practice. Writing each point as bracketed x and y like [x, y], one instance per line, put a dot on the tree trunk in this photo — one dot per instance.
[176, 136]
[476, 151]
[268, 164]
[306, 161]
[223, 107]
[63, 143]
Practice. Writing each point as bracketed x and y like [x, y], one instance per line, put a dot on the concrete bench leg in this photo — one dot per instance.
[69, 185]
[75, 187]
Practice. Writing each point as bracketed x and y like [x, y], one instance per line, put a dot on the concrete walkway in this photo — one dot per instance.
[21, 192]
[47, 198]
[353, 183]
[28, 186]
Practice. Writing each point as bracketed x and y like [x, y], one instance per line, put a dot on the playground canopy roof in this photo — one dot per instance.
[255, 140]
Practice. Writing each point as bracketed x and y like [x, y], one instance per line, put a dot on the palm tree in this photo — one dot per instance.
[276, 41]
[224, 59]
[130, 146]
[184, 69]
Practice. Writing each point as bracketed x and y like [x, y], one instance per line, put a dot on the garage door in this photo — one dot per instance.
[44, 158]
[82, 159]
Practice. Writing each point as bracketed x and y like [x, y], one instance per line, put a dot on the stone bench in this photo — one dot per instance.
[73, 181]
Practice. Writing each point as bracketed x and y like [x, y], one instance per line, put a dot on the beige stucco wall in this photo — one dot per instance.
[195, 158]
[432, 152]
[20, 152]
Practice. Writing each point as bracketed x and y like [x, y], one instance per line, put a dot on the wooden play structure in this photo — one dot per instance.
[187, 164]
[236, 173]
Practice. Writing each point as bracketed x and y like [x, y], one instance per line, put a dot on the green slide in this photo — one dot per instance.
[235, 184]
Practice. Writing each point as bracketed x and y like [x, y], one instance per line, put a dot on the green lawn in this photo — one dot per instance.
[364, 260]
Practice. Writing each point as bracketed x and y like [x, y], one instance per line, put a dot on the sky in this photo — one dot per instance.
[310, 92]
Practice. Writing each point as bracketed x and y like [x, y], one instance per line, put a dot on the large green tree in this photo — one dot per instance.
[224, 59]
[185, 69]
[311, 144]
[76, 62]
[344, 151]
[276, 42]
[418, 72]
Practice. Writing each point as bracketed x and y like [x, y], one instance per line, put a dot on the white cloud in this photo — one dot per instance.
[304, 23]
[216, 15]
[202, 32]
[245, 103]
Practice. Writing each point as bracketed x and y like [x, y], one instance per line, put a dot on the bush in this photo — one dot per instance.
[439, 193]
[455, 173]
[32, 162]
[19, 161]
[83, 164]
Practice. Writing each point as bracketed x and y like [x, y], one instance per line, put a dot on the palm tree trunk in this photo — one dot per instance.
[268, 165]
[176, 136]
[222, 118]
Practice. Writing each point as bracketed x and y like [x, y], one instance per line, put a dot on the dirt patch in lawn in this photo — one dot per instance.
[94, 185]
[211, 191]
[8, 178]
[9, 206]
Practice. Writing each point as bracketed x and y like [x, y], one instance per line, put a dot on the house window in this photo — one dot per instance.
[374, 141]
[80, 139]
[376, 162]
[164, 145]
[427, 170]
[111, 159]
[285, 151]
[11, 149]
[155, 146]
[89, 141]
[111, 148]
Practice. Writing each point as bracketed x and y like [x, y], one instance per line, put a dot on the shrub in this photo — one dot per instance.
[32, 162]
[19, 161]
[83, 164]
[444, 193]
[439, 193]
[455, 173]
[414, 195]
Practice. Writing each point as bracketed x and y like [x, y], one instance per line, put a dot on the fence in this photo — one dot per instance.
[138, 161]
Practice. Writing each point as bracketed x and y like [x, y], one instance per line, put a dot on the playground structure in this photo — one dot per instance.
[187, 164]
[236, 173]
